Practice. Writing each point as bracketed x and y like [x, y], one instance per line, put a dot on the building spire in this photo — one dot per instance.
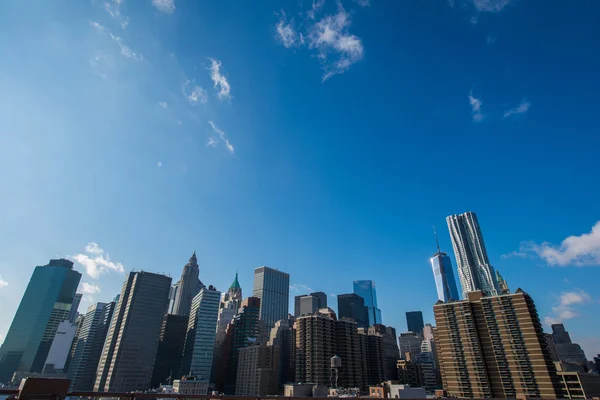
[437, 242]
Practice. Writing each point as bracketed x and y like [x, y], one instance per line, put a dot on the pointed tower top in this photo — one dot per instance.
[193, 259]
[437, 242]
[236, 283]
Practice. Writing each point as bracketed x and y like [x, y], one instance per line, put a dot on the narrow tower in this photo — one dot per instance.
[187, 287]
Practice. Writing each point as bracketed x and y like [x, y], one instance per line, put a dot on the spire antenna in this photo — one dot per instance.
[437, 242]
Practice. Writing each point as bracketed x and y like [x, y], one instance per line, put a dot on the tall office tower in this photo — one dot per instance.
[128, 355]
[391, 354]
[167, 365]
[502, 285]
[410, 342]
[348, 349]
[493, 347]
[366, 290]
[46, 303]
[257, 371]
[567, 351]
[428, 366]
[73, 314]
[297, 305]
[272, 287]
[246, 329]
[414, 321]
[235, 290]
[474, 269]
[322, 299]
[551, 347]
[228, 308]
[315, 345]
[283, 336]
[187, 287]
[172, 297]
[373, 357]
[352, 306]
[443, 275]
[308, 305]
[200, 336]
[60, 348]
[87, 346]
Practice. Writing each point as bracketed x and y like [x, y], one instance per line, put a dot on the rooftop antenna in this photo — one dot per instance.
[437, 242]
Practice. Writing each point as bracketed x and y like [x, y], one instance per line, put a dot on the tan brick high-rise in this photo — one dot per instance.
[493, 347]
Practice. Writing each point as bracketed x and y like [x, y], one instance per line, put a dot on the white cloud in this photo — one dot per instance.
[316, 7]
[164, 6]
[363, 3]
[223, 138]
[126, 50]
[300, 288]
[196, 94]
[163, 104]
[219, 80]
[3, 283]
[211, 142]
[520, 109]
[97, 261]
[285, 32]
[114, 10]
[574, 250]
[476, 108]
[565, 309]
[88, 288]
[330, 37]
[97, 26]
[492, 6]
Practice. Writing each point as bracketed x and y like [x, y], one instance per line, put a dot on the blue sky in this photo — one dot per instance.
[324, 139]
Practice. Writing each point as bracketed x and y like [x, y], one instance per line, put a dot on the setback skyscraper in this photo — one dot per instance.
[187, 287]
[128, 355]
[46, 303]
[443, 275]
[272, 287]
[366, 290]
[474, 269]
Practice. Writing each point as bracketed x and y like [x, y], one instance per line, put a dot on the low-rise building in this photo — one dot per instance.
[578, 385]
[189, 385]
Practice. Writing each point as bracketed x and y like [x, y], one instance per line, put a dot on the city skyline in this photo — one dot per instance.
[150, 133]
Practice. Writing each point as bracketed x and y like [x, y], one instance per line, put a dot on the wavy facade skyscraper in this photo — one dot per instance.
[474, 269]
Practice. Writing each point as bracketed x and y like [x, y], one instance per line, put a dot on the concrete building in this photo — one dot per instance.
[60, 348]
[414, 322]
[190, 385]
[257, 371]
[474, 269]
[167, 366]
[567, 351]
[188, 287]
[47, 302]
[87, 346]
[578, 385]
[128, 355]
[348, 349]
[493, 347]
[390, 389]
[373, 356]
[283, 336]
[308, 305]
[305, 390]
[502, 284]
[315, 345]
[410, 342]
[366, 290]
[409, 372]
[199, 344]
[352, 306]
[391, 353]
[228, 308]
[272, 287]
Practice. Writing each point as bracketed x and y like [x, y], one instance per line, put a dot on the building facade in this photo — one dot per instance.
[47, 302]
[366, 290]
[567, 351]
[127, 359]
[283, 335]
[444, 277]
[414, 322]
[257, 371]
[60, 349]
[272, 287]
[352, 306]
[199, 344]
[167, 366]
[187, 287]
[410, 342]
[474, 269]
[391, 353]
[493, 347]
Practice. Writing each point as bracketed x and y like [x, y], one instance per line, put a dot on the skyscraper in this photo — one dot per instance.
[414, 322]
[322, 299]
[443, 275]
[352, 306]
[493, 347]
[312, 302]
[283, 335]
[167, 364]
[567, 351]
[200, 336]
[228, 308]
[73, 314]
[410, 342]
[308, 305]
[46, 303]
[60, 348]
[366, 290]
[187, 287]
[88, 345]
[474, 269]
[128, 355]
[272, 287]
[391, 353]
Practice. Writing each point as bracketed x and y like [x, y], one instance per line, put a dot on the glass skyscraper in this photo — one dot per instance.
[46, 303]
[414, 322]
[272, 287]
[444, 277]
[366, 290]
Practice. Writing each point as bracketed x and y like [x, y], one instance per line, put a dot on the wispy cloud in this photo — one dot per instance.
[113, 8]
[96, 261]
[476, 104]
[3, 283]
[363, 3]
[492, 6]
[194, 93]
[89, 288]
[219, 80]
[211, 142]
[164, 6]
[163, 104]
[125, 50]
[579, 250]
[223, 138]
[520, 109]
[566, 306]
[300, 288]
[285, 32]
[491, 39]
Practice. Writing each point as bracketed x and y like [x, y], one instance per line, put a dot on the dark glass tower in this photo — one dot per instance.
[353, 306]
[46, 303]
[414, 321]
[366, 290]
[443, 275]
